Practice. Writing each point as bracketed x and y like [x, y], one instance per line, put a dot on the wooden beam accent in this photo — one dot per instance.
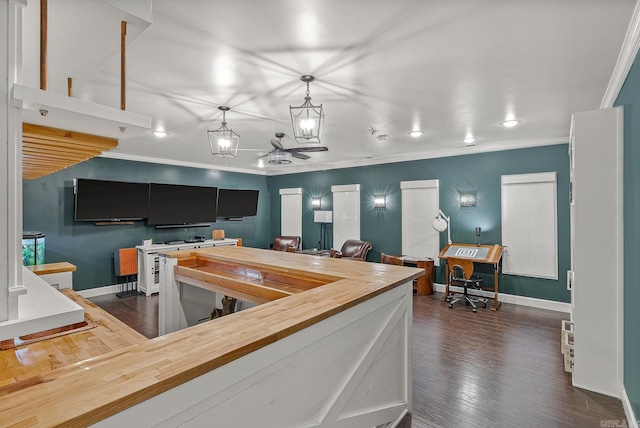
[123, 65]
[76, 138]
[43, 44]
[46, 150]
[28, 154]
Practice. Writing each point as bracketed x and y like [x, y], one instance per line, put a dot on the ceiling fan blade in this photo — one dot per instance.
[300, 156]
[277, 145]
[263, 156]
[308, 149]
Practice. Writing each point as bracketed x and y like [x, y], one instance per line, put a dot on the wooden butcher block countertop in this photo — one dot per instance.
[88, 391]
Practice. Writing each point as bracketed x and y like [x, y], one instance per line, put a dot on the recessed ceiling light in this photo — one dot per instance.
[510, 123]
[416, 133]
[160, 133]
[260, 163]
[469, 139]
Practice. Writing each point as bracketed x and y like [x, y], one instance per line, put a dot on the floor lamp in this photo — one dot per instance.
[324, 218]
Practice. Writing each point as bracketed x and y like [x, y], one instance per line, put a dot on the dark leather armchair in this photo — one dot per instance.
[286, 243]
[353, 249]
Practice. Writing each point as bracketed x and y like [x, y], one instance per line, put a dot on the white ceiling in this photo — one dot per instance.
[448, 67]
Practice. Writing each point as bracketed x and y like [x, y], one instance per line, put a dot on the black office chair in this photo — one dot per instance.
[460, 271]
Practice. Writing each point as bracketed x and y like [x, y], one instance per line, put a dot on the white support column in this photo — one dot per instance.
[10, 161]
[171, 316]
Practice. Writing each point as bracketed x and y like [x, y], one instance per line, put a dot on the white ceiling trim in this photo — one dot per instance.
[150, 159]
[627, 55]
[458, 151]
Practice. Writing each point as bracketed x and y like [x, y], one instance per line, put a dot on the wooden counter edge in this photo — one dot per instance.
[49, 268]
[234, 336]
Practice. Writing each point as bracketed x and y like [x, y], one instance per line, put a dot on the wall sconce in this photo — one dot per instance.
[380, 202]
[467, 199]
[316, 203]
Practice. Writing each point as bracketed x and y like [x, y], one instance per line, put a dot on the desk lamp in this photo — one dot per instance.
[442, 223]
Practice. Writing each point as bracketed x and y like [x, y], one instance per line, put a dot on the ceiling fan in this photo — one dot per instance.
[280, 155]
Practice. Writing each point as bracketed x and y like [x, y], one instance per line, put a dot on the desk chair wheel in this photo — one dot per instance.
[450, 305]
[484, 304]
[474, 310]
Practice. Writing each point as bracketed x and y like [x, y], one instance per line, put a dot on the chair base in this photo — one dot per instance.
[469, 300]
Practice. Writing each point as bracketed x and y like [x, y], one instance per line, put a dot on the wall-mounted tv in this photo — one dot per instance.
[174, 204]
[237, 203]
[100, 200]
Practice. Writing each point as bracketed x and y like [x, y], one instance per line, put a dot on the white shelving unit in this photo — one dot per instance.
[597, 249]
[148, 259]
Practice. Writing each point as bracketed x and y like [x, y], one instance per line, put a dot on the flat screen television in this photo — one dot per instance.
[237, 203]
[101, 200]
[177, 204]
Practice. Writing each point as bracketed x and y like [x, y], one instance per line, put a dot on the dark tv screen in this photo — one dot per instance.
[174, 204]
[237, 203]
[100, 200]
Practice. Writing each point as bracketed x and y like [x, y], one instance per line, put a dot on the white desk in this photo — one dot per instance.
[148, 268]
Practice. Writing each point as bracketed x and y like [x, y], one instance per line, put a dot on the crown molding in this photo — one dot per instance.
[626, 57]
[352, 163]
[150, 159]
[457, 151]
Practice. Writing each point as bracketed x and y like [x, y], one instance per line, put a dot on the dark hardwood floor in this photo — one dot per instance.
[489, 369]
[138, 312]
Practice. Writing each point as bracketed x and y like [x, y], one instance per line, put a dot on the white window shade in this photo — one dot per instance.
[420, 204]
[346, 213]
[291, 212]
[529, 225]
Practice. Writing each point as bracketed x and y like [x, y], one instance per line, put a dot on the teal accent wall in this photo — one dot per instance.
[628, 97]
[48, 205]
[479, 173]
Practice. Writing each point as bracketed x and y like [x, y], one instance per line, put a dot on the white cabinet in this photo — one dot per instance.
[597, 251]
[148, 259]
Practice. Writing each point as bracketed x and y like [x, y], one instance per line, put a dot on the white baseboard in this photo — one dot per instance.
[632, 422]
[101, 291]
[519, 300]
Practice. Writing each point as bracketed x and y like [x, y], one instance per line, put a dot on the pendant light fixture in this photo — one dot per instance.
[223, 141]
[307, 120]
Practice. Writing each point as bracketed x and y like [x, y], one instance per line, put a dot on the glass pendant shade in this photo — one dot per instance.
[223, 141]
[279, 157]
[307, 120]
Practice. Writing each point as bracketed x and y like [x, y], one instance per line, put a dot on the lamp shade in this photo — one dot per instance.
[279, 157]
[307, 120]
[323, 216]
[223, 141]
[440, 224]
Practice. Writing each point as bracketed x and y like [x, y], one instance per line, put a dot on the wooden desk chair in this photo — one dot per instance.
[390, 260]
[460, 271]
[126, 267]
